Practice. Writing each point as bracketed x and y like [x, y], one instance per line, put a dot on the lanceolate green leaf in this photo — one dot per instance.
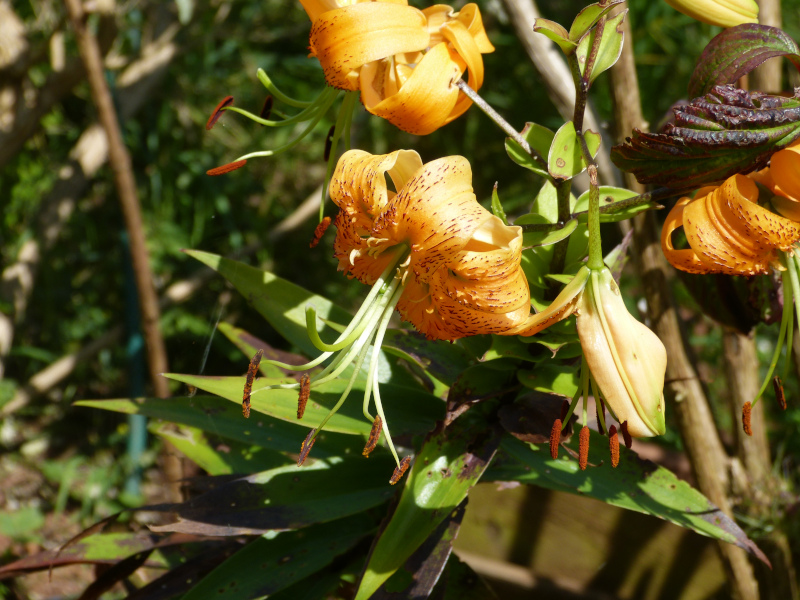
[281, 302]
[447, 466]
[725, 132]
[737, 51]
[635, 484]
[539, 139]
[408, 410]
[588, 17]
[267, 566]
[565, 159]
[609, 50]
[288, 497]
[220, 417]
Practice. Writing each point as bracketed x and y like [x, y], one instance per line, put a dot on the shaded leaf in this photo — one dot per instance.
[266, 566]
[416, 579]
[448, 465]
[727, 131]
[636, 484]
[545, 238]
[221, 417]
[408, 410]
[531, 418]
[460, 582]
[102, 548]
[552, 378]
[439, 359]
[737, 51]
[179, 579]
[285, 498]
[112, 576]
[280, 302]
[250, 344]
[219, 458]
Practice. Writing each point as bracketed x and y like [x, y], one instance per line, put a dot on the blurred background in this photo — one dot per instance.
[70, 329]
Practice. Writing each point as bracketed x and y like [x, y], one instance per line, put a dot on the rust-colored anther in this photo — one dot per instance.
[226, 168]
[555, 439]
[746, 409]
[564, 410]
[625, 435]
[613, 445]
[329, 143]
[320, 231]
[308, 443]
[583, 448]
[248, 382]
[374, 436]
[779, 395]
[401, 470]
[266, 110]
[212, 120]
[302, 399]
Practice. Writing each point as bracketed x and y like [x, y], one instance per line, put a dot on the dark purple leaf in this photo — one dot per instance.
[737, 51]
[725, 132]
[419, 575]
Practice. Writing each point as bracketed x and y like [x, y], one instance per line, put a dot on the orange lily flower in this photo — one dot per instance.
[459, 264]
[782, 178]
[727, 231]
[404, 61]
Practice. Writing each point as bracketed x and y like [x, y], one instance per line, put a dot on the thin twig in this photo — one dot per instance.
[500, 121]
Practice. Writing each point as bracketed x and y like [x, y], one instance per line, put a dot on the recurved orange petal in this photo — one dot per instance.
[427, 97]
[347, 38]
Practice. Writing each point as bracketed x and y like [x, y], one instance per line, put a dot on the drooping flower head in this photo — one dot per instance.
[460, 264]
[450, 267]
[729, 232]
[404, 61]
[725, 13]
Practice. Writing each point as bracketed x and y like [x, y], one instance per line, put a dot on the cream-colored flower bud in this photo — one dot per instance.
[626, 359]
[725, 13]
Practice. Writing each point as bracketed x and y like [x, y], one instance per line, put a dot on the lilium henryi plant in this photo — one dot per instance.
[450, 267]
[404, 61]
[729, 232]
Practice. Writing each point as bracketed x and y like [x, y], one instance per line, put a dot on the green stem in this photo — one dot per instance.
[593, 214]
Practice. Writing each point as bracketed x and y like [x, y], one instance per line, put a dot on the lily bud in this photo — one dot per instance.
[626, 359]
[725, 13]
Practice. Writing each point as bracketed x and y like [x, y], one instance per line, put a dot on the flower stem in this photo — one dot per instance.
[500, 122]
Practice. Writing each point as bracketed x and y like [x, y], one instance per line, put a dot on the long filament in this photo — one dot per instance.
[279, 95]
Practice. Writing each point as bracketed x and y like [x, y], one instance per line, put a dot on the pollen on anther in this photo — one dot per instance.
[613, 445]
[302, 399]
[400, 470]
[374, 436]
[555, 439]
[252, 369]
[212, 120]
[583, 448]
[320, 231]
[625, 435]
[221, 170]
[779, 395]
[305, 448]
[746, 410]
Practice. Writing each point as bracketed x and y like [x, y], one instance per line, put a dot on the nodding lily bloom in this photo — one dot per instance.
[404, 61]
[725, 13]
[450, 267]
[727, 231]
[782, 178]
